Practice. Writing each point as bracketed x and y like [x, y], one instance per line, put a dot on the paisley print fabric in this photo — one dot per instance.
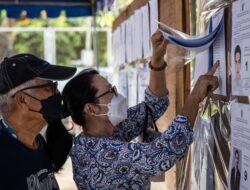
[115, 163]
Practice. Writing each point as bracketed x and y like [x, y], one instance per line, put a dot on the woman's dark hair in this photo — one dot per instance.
[77, 92]
[237, 50]
[59, 143]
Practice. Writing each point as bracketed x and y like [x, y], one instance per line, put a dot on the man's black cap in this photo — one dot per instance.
[21, 68]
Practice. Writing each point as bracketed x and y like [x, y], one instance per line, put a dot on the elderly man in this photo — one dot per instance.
[29, 100]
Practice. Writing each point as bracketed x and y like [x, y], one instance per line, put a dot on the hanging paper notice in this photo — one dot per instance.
[143, 81]
[154, 16]
[132, 85]
[123, 82]
[146, 32]
[239, 165]
[219, 53]
[240, 50]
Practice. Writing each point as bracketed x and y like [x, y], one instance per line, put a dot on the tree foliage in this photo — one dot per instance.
[68, 44]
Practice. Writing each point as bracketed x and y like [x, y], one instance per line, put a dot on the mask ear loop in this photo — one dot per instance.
[34, 99]
[102, 114]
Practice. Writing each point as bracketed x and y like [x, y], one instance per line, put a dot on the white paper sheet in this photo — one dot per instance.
[154, 16]
[113, 46]
[129, 40]
[133, 24]
[146, 32]
[219, 53]
[239, 179]
[132, 85]
[241, 39]
[201, 65]
[143, 81]
[138, 33]
[122, 44]
[123, 82]
[116, 46]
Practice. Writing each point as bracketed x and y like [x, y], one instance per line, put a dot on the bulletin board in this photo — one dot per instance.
[173, 13]
[210, 162]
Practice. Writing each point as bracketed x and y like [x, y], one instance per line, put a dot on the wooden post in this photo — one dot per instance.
[174, 14]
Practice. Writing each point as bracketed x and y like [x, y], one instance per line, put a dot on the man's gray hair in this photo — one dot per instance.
[6, 100]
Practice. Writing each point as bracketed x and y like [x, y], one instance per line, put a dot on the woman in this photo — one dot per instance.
[102, 156]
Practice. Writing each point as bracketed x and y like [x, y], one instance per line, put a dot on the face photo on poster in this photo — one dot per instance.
[239, 167]
[235, 172]
[240, 50]
[236, 70]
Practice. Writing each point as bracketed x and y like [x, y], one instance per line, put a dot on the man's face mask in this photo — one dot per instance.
[52, 107]
[117, 108]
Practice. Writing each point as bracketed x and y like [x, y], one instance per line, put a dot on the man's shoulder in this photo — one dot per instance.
[1, 129]
[2, 135]
[4, 142]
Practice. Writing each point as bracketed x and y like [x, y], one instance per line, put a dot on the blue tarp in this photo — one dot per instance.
[33, 8]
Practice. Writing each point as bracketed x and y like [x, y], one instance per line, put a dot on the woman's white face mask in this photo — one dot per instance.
[117, 109]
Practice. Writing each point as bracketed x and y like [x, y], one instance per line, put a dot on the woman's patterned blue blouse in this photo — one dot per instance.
[108, 163]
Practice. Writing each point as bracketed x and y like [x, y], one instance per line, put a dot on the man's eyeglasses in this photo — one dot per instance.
[51, 87]
[112, 90]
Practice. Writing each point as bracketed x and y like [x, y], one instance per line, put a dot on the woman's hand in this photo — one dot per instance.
[157, 82]
[159, 48]
[206, 83]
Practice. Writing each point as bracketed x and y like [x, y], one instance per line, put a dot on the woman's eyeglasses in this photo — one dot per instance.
[112, 90]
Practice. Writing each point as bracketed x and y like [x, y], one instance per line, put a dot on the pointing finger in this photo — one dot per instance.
[214, 68]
